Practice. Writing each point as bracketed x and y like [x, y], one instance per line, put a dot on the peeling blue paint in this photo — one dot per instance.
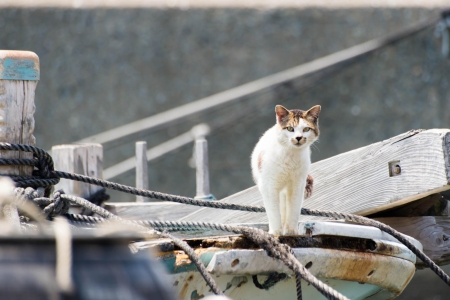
[19, 69]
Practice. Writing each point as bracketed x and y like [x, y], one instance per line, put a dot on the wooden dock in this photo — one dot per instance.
[396, 180]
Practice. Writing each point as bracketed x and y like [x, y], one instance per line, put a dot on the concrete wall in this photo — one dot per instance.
[102, 68]
[106, 67]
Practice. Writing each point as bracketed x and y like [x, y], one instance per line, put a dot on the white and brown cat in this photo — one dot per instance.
[280, 165]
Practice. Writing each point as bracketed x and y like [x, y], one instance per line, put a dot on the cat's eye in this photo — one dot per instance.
[306, 129]
[290, 129]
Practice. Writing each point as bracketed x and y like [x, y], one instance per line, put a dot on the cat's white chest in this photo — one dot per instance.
[280, 172]
[285, 167]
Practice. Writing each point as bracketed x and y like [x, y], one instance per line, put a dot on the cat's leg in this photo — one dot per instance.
[294, 201]
[283, 209]
[271, 199]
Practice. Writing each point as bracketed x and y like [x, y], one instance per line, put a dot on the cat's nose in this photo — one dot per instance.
[298, 138]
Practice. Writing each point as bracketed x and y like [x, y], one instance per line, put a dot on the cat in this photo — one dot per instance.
[280, 165]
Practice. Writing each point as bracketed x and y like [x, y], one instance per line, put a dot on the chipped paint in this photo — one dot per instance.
[19, 65]
[356, 266]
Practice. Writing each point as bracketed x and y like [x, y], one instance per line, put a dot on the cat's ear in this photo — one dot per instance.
[282, 113]
[313, 113]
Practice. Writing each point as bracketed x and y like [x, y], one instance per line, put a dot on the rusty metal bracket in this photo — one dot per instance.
[394, 168]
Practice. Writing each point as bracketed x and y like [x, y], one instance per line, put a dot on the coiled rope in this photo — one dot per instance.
[266, 241]
[45, 176]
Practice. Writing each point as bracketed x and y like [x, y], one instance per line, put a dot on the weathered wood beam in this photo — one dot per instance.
[161, 211]
[432, 205]
[19, 75]
[85, 159]
[432, 232]
[361, 181]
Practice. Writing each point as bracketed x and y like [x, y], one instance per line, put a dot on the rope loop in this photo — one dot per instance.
[271, 280]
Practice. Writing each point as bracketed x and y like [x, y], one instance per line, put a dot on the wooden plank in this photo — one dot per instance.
[161, 211]
[86, 159]
[358, 181]
[17, 90]
[141, 169]
[433, 232]
[121, 134]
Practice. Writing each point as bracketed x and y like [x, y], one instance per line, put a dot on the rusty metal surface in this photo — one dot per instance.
[325, 242]
[390, 273]
[384, 267]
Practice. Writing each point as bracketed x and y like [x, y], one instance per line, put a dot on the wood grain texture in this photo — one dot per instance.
[17, 120]
[141, 169]
[358, 181]
[161, 211]
[86, 159]
[432, 232]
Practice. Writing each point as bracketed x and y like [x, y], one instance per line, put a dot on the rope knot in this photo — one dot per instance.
[57, 206]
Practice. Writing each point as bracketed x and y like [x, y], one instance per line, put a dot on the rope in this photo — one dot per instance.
[45, 176]
[266, 241]
[298, 285]
[156, 195]
[273, 279]
[196, 260]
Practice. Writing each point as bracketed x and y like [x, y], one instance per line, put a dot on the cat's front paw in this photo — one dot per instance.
[276, 232]
[287, 230]
[309, 186]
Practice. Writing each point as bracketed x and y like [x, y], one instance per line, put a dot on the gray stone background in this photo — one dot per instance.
[101, 68]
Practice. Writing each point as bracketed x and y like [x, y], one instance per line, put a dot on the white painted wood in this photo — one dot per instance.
[241, 287]
[356, 275]
[202, 169]
[141, 169]
[358, 181]
[339, 228]
[86, 159]
[258, 262]
[126, 132]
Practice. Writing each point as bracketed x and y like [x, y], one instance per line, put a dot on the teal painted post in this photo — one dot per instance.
[19, 74]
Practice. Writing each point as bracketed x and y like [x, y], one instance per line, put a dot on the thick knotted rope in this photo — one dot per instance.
[45, 176]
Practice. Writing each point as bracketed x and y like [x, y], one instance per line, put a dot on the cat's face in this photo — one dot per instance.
[297, 128]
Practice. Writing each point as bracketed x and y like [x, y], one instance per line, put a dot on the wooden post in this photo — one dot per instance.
[19, 75]
[85, 159]
[202, 167]
[141, 169]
